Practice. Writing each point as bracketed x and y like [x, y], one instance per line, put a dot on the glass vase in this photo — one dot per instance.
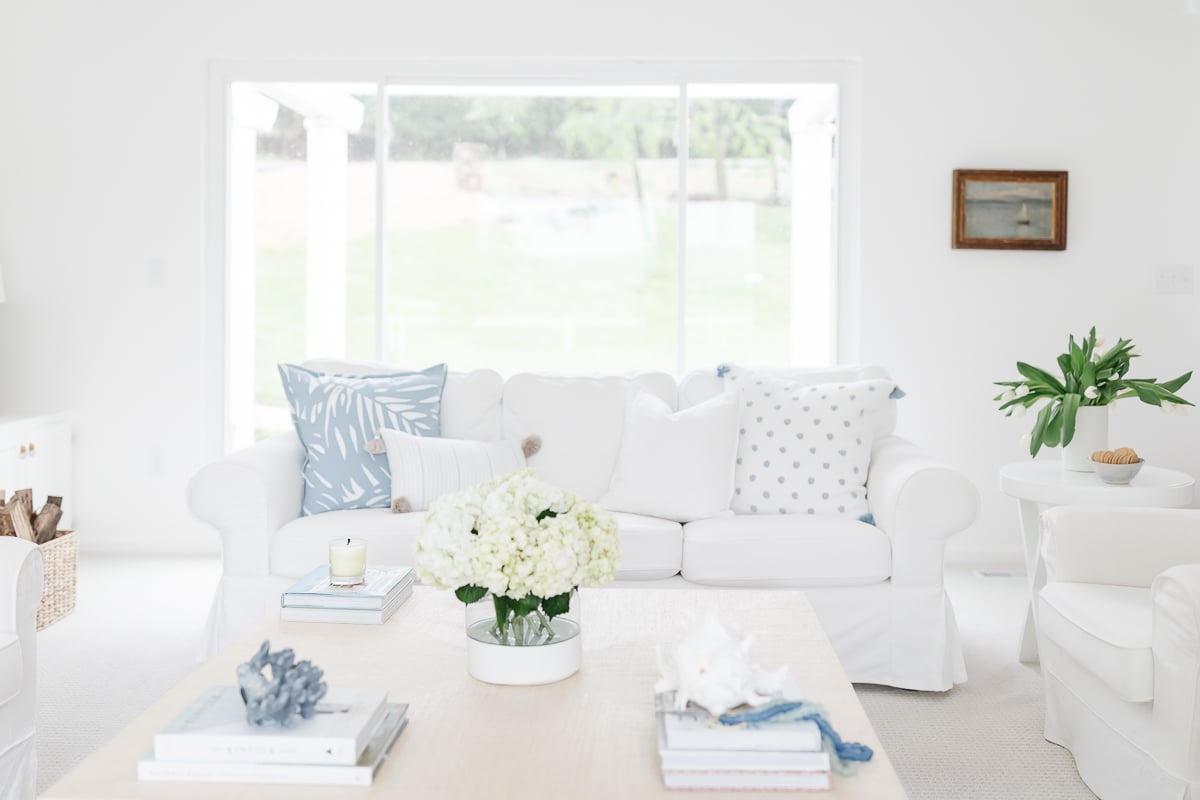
[507, 647]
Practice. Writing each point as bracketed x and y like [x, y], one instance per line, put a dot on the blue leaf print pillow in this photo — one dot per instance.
[337, 415]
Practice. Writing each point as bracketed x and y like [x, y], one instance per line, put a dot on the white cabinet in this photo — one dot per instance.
[35, 452]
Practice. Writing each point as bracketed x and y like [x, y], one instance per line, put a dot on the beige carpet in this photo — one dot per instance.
[137, 630]
[981, 741]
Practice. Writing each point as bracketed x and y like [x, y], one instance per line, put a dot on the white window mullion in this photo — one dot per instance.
[382, 140]
[681, 236]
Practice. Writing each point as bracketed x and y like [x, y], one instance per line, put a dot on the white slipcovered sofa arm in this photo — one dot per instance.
[1120, 546]
[248, 496]
[1176, 642]
[919, 502]
[21, 570]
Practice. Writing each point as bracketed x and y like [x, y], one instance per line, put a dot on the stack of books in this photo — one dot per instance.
[699, 753]
[343, 744]
[314, 599]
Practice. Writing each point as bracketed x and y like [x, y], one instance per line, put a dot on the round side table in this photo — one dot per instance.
[1039, 485]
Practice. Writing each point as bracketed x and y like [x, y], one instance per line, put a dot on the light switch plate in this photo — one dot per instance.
[1174, 279]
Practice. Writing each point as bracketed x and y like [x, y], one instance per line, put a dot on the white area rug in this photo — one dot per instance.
[137, 629]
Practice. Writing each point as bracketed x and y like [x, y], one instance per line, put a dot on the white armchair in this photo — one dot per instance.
[20, 592]
[1119, 634]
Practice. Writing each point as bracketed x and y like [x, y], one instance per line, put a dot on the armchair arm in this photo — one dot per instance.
[21, 574]
[919, 502]
[21, 578]
[1176, 643]
[1121, 546]
[249, 495]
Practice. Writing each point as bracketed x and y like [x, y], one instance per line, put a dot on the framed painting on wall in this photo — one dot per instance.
[997, 209]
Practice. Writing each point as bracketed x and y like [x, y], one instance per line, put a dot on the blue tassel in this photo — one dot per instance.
[897, 394]
[846, 754]
[868, 518]
[722, 369]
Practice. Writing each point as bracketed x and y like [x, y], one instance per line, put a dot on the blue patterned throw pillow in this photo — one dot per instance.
[337, 415]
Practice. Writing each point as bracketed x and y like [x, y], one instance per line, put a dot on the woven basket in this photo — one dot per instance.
[61, 556]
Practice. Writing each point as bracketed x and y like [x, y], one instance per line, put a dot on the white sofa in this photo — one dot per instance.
[878, 589]
[1119, 637]
[20, 592]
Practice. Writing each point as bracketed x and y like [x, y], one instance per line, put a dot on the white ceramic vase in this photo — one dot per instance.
[1091, 434]
[525, 650]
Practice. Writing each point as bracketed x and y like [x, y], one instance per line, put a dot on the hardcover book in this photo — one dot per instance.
[354, 616]
[738, 760]
[154, 768]
[315, 591]
[214, 728]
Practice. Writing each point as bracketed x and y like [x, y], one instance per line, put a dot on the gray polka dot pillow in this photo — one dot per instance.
[803, 448]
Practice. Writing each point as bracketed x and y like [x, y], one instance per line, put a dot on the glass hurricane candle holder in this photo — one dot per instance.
[347, 561]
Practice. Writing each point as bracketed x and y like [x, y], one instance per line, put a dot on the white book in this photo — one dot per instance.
[738, 760]
[749, 781]
[214, 728]
[691, 731]
[152, 768]
[379, 584]
[351, 616]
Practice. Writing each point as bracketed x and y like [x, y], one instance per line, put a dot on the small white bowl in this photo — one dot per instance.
[1118, 474]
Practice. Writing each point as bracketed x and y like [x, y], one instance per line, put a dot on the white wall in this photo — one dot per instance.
[102, 232]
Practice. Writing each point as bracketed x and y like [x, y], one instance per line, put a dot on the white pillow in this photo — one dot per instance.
[675, 465]
[804, 449]
[426, 467]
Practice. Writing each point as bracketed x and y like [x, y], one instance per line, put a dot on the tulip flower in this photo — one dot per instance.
[1018, 411]
[1009, 395]
[1091, 393]
[1022, 390]
[1026, 438]
[1099, 341]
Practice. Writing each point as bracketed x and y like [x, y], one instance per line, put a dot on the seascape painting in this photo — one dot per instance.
[1010, 210]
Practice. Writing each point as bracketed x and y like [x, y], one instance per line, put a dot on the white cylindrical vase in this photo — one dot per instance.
[1091, 434]
[522, 650]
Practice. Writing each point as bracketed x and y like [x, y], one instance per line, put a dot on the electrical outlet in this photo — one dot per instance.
[1174, 279]
[156, 270]
[154, 461]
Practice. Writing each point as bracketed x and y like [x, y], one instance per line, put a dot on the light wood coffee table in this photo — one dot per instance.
[590, 736]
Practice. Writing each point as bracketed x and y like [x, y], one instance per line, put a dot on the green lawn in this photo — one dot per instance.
[456, 290]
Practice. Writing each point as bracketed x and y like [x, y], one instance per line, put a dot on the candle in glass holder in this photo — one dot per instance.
[347, 561]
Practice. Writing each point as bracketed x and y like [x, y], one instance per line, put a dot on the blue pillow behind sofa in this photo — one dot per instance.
[337, 415]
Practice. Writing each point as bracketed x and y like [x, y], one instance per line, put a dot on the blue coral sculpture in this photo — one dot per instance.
[293, 688]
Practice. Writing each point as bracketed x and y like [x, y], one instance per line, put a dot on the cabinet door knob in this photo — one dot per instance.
[32, 452]
[22, 452]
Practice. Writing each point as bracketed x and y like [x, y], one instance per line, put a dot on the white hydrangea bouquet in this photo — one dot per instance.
[526, 543]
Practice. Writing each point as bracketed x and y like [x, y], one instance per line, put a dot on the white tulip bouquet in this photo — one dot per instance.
[1089, 378]
[527, 543]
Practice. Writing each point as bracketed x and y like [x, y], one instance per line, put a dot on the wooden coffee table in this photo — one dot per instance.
[590, 736]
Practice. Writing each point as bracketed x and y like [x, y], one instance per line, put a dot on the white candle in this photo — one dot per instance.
[347, 561]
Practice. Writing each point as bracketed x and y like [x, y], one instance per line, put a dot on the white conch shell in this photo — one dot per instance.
[711, 667]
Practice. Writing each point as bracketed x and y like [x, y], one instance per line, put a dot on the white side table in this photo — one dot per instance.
[1039, 485]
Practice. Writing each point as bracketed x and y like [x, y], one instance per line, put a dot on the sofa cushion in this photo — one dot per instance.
[702, 384]
[650, 548]
[804, 448]
[1107, 629]
[579, 419]
[426, 467]
[795, 550]
[11, 668]
[470, 401]
[337, 416]
[676, 464]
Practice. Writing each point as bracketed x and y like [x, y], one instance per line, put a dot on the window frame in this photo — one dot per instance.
[845, 280]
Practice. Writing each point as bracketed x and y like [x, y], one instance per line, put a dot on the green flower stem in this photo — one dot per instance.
[545, 623]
